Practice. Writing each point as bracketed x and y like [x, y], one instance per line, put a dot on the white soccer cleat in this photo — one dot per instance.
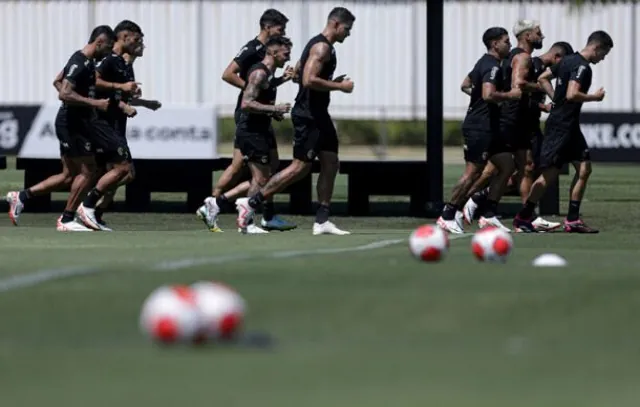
[245, 214]
[88, 217]
[492, 222]
[459, 218]
[73, 226]
[104, 227]
[542, 225]
[253, 229]
[209, 214]
[15, 206]
[469, 211]
[451, 226]
[328, 228]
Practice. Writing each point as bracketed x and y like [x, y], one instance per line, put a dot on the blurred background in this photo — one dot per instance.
[189, 43]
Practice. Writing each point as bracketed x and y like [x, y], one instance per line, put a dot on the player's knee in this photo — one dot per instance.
[299, 168]
[585, 170]
[529, 169]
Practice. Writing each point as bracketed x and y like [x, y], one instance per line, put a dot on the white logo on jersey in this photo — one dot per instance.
[243, 49]
[73, 68]
[581, 69]
[494, 72]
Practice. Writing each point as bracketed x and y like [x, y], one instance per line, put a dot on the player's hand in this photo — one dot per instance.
[346, 85]
[547, 108]
[283, 108]
[102, 104]
[137, 94]
[130, 111]
[599, 94]
[130, 87]
[278, 116]
[153, 105]
[288, 74]
[516, 93]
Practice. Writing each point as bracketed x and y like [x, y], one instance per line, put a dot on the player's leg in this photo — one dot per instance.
[475, 157]
[270, 220]
[579, 154]
[117, 154]
[107, 199]
[478, 193]
[503, 161]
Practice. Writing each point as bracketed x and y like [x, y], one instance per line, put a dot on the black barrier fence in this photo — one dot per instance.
[15, 122]
[612, 137]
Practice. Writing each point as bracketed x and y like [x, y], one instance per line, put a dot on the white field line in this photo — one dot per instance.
[20, 281]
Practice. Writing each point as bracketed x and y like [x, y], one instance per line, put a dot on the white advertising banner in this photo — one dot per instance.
[169, 133]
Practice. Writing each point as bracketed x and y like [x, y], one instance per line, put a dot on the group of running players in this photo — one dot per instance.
[503, 141]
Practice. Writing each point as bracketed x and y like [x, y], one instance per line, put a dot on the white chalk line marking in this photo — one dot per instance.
[17, 282]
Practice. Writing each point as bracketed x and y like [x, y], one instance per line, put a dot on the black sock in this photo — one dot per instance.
[68, 216]
[490, 208]
[98, 213]
[449, 211]
[223, 203]
[322, 215]
[480, 197]
[268, 211]
[256, 201]
[92, 198]
[24, 195]
[574, 211]
[527, 210]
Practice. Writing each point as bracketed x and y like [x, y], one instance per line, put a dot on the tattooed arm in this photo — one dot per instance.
[256, 81]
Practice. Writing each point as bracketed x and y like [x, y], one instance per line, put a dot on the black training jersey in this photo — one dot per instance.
[81, 72]
[256, 122]
[114, 68]
[512, 111]
[572, 68]
[482, 115]
[311, 102]
[536, 98]
[252, 52]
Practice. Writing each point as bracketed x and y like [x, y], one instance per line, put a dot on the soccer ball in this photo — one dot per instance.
[492, 244]
[170, 315]
[221, 308]
[429, 243]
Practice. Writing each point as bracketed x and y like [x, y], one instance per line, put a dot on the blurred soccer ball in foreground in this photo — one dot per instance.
[492, 245]
[221, 309]
[429, 243]
[170, 315]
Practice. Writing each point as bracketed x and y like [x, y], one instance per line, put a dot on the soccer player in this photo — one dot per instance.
[481, 130]
[315, 134]
[136, 100]
[564, 142]
[76, 87]
[115, 81]
[254, 130]
[272, 23]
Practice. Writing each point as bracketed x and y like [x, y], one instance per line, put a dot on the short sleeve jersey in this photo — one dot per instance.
[481, 115]
[254, 122]
[80, 72]
[250, 54]
[311, 102]
[566, 114]
[114, 68]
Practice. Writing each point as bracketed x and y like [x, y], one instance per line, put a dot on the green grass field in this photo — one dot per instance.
[362, 324]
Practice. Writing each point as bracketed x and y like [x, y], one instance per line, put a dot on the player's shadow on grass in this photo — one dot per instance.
[247, 340]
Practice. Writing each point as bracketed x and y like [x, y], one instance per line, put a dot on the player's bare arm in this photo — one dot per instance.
[574, 94]
[520, 65]
[545, 82]
[492, 95]
[466, 85]
[318, 55]
[296, 73]
[231, 75]
[68, 95]
[57, 82]
[256, 81]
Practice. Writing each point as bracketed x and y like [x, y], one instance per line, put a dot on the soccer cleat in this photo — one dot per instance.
[15, 206]
[328, 228]
[578, 226]
[253, 229]
[88, 217]
[277, 223]
[73, 226]
[469, 211]
[245, 214]
[543, 225]
[492, 222]
[104, 227]
[522, 225]
[459, 218]
[451, 226]
[205, 214]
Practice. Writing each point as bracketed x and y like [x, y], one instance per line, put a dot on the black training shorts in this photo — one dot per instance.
[561, 146]
[516, 137]
[536, 145]
[110, 145]
[255, 146]
[312, 135]
[74, 133]
[476, 145]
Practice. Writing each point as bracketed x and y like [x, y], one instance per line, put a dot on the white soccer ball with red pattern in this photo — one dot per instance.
[429, 243]
[221, 308]
[492, 244]
[170, 315]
